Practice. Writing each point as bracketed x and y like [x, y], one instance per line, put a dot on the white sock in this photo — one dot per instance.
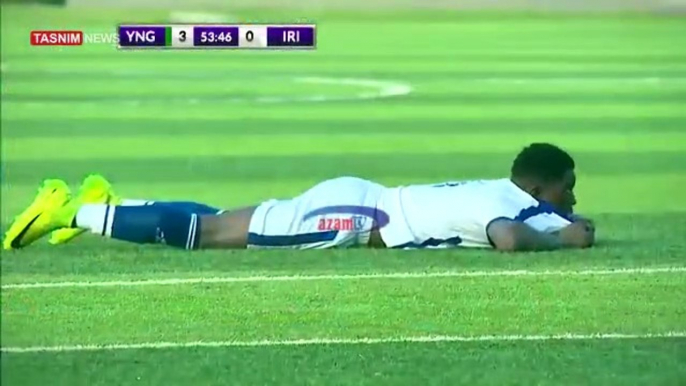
[98, 218]
[132, 202]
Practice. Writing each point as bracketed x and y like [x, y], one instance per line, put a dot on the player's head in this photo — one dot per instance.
[546, 172]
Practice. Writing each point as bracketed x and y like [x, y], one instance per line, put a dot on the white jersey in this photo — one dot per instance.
[457, 214]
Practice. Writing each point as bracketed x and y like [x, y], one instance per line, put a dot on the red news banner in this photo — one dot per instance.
[71, 38]
[293, 36]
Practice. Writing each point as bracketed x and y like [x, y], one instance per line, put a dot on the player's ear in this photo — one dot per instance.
[535, 190]
[531, 186]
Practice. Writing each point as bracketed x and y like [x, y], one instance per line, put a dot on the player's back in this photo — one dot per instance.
[449, 214]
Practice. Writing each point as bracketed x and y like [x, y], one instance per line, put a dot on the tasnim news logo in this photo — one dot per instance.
[72, 38]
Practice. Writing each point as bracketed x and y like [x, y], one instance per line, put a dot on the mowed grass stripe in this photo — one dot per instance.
[232, 98]
[521, 305]
[629, 25]
[572, 79]
[551, 56]
[343, 341]
[156, 147]
[370, 276]
[380, 111]
[303, 64]
[531, 86]
[219, 87]
[486, 100]
[155, 71]
[251, 169]
[161, 126]
[72, 85]
[551, 362]
[75, 87]
[656, 243]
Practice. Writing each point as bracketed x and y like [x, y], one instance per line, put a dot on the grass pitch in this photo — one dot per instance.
[234, 128]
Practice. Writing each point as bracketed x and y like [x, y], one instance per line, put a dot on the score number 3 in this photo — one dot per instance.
[182, 36]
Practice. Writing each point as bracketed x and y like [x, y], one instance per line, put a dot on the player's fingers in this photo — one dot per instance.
[588, 224]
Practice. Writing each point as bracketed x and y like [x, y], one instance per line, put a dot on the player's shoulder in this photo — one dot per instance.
[507, 190]
[498, 186]
[481, 183]
[500, 189]
[500, 194]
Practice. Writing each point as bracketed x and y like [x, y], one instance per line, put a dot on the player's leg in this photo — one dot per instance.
[149, 224]
[168, 224]
[136, 216]
[272, 224]
[283, 224]
[95, 189]
[188, 206]
[228, 230]
[54, 208]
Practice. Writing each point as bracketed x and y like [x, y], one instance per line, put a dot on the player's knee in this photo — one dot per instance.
[227, 230]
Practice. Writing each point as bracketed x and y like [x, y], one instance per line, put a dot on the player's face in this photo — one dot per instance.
[561, 193]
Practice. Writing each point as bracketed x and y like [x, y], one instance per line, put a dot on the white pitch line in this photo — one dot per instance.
[366, 276]
[340, 341]
[371, 89]
[382, 88]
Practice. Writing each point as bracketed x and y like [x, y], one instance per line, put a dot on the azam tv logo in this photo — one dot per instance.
[348, 218]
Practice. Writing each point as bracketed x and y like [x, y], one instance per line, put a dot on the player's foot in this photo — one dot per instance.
[48, 211]
[95, 189]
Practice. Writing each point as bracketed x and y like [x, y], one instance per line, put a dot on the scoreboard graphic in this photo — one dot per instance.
[292, 36]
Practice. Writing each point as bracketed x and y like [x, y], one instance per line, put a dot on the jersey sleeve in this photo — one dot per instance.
[487, 217]
[539, 215]
[543, 217]
[547, 222]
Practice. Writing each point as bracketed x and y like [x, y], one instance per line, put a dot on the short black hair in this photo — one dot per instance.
[542, 161]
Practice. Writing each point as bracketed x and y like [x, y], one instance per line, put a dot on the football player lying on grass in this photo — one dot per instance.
[530, 211]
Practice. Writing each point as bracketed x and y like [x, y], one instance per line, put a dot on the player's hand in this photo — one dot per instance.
[576, 218]
[579, 234]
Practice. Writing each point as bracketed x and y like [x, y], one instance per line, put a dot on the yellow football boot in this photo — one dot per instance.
[95, 189]
[50, 210]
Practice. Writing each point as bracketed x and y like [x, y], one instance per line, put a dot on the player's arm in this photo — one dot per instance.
[510, 235]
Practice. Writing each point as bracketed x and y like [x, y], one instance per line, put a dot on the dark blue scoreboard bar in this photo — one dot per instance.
[291, 36]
